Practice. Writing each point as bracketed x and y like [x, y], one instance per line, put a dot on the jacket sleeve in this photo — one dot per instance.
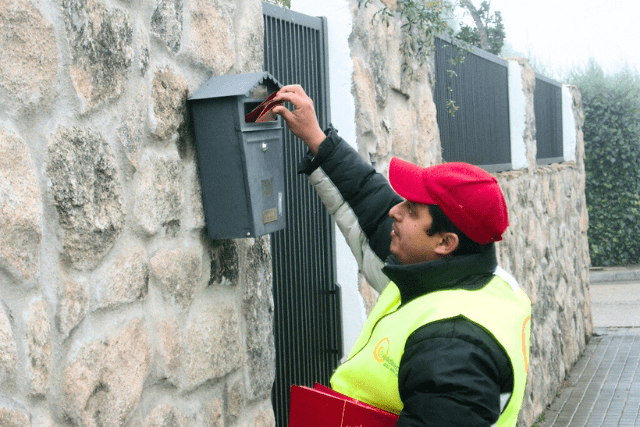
[453, 374]
[359, 199]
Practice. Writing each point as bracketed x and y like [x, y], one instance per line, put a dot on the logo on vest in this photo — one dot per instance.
[382, 350]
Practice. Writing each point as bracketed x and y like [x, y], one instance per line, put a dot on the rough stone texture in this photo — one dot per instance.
[21, 207]
[211, 415]
[211, 41]
[235, 398]
[131, 133]
[13, 418]
[159, 193]
[169, 348]
[73, 305]
[395, 113]
[261, 417]
[165, 416]
[39, 347]
[169, 94]
[103, 321]
[178, 272]
[196, 218]
[211, 342]
[166, 23]
[224, 262]
[124, 281]
[28, 55]
[87, 194]
[257, 310]
[8, 351]
[249, 30]
[101, 44]
[103, 380]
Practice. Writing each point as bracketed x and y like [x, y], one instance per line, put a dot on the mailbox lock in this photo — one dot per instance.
[264, 146]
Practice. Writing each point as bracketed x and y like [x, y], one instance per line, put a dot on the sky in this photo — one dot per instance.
[563, 34]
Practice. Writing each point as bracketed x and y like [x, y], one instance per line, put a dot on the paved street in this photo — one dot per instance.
[603, 387]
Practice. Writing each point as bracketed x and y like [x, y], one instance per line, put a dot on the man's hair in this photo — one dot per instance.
[442, 224]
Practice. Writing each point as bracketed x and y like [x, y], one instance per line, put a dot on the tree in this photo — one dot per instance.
[488, 33]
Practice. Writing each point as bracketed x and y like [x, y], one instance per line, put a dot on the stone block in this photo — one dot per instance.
[13, 418]
[178, 272]
[249, 36]
[211, 414]
[73, 304]
[131, 132]
[101, 46]
[38, 364]
[159, 193]
[166, 23]
[196, 218]
[21, 207]
[87, 194]
[124, 281]
[103, 379]
[169, 96]
[28, 55]
[366, 110]
[211, 40]
[212, 346]
[262, 416]
[234, 398]
[169, 347]
[8, 351]
[165, 416]
[257, 309]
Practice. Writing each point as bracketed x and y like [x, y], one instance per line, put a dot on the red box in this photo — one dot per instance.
[323, 407]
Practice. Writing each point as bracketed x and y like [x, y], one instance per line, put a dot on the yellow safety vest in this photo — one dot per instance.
[371, 372]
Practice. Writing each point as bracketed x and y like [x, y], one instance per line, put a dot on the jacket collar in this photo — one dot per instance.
[462, 271]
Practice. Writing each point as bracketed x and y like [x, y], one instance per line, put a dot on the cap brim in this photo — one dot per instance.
[406, 179]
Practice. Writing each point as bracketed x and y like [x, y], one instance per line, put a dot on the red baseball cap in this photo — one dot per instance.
[468, 195]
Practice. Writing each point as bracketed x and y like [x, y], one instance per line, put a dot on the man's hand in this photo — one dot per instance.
[302, 120]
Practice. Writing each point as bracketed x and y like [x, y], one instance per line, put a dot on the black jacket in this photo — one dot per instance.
[453, 372]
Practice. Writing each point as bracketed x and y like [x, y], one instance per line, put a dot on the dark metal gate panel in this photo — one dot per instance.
[547, 103]
[307, 322]
[478, 133]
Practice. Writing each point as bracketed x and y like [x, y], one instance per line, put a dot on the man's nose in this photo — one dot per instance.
[395, 212]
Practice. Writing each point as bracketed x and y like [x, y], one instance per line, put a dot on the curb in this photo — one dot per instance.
[614, 274]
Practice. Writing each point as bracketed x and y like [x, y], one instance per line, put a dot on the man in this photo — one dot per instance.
[447, 342]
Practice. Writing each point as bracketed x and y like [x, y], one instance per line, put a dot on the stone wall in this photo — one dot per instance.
[115, 308]
[545, 247]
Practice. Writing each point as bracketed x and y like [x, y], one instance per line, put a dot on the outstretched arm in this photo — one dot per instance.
[302, 120]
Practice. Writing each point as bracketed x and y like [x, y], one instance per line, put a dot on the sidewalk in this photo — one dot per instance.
[603, 387]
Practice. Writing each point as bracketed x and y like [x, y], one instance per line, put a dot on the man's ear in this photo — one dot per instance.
[448, 244]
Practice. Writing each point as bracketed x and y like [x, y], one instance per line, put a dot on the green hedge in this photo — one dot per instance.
[611, 105]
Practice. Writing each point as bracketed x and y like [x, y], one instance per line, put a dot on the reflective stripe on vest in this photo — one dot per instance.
[371, 372]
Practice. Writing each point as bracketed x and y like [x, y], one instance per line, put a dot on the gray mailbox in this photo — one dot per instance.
[241, 164]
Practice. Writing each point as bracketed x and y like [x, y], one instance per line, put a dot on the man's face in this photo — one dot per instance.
[410, 242]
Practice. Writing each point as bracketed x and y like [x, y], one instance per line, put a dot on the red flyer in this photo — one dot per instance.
[263, 112]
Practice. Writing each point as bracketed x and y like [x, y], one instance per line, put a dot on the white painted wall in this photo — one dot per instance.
[517, 116]
[339, 23]
[569, 140]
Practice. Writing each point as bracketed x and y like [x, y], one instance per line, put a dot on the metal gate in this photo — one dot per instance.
[307, 319]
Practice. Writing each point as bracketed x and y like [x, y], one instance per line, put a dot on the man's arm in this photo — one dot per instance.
[464, 386]
[353, 192]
